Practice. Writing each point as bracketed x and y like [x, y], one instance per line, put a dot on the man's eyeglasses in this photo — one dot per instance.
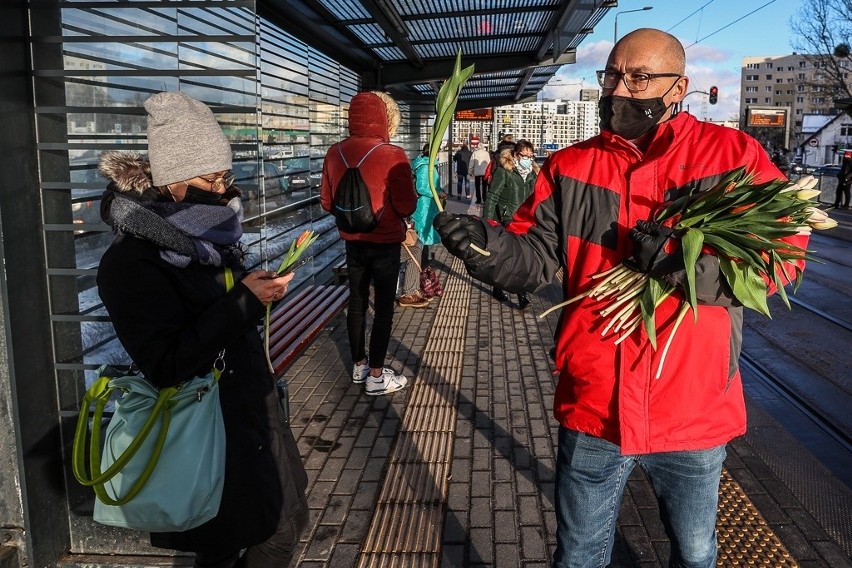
[635, 82]
[217, 182]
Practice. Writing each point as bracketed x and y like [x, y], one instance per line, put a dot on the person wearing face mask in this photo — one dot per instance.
[511, 184]
[591, 209]
[178, 222]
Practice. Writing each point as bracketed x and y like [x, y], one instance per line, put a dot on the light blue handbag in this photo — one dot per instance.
[163, 452]
[163, 455]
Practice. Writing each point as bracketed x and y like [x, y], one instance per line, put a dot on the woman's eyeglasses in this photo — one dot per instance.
[224, 181]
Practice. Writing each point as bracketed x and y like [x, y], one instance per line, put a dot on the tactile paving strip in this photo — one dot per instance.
[407, 525]
[406, 528]
[745, 539]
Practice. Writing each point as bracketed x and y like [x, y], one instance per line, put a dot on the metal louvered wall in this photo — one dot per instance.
[280, 102]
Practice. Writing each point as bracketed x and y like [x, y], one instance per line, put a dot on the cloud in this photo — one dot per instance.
[706, 66]
[700, 53]
[701, 78]
[593, 55]
[566, 92]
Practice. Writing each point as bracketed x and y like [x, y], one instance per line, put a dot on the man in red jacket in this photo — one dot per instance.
[586, 215]
[373, 257]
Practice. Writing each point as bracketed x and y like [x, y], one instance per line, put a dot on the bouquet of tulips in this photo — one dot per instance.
[742, 224]
[297, 247]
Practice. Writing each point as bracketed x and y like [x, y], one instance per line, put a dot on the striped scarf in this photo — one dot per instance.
[185, 232]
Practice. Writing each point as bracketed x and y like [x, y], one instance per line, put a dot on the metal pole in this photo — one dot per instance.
[615, 27]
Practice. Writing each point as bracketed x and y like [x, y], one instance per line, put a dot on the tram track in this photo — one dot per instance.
[808, 386]
[807, 408]
[821, 313]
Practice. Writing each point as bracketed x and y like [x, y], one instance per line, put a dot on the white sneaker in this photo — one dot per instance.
[385, 383]
[360, 373]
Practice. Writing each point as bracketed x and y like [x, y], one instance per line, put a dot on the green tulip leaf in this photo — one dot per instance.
[777, 271]
[691, 243]
[748, 287]
[445, 107]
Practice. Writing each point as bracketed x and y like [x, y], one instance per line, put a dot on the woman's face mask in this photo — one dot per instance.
[196, 195]
[525, 162]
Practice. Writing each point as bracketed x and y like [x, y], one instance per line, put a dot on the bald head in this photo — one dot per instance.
[658, 49]
[645, 64]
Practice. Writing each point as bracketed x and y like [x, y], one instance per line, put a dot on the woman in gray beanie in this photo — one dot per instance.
[177, 220]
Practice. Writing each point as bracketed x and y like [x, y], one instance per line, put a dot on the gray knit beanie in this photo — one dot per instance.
[184, 139]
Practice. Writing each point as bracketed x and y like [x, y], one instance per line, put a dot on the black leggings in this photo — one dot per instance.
[376, 264]
[841, 199]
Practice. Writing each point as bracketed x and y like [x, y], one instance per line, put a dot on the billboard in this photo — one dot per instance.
[483, 114]
[762, 117]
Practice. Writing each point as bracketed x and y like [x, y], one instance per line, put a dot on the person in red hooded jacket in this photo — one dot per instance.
[373, 257]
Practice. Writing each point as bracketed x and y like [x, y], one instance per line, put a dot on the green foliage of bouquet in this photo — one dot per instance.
[744, 225]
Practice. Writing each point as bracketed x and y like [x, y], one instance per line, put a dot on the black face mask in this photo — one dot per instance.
[628, 117]
[195, 195]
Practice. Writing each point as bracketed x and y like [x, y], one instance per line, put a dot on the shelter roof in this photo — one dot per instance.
[409, 46]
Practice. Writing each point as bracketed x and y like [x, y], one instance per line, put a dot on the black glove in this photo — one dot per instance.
[649, 255]
[458, 232]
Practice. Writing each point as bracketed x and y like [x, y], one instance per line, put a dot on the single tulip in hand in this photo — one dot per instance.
[297, 247]
[461, 234]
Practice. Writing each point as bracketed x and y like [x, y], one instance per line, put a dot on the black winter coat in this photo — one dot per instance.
[173, 322]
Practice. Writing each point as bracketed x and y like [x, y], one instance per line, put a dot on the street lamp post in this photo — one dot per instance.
[615, 28]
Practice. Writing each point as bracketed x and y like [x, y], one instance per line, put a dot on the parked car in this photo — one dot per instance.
[297, 173]
[827, 170]
[298, 176]
[87, 187]
[247, 175]
[797, 168]
[247, 178]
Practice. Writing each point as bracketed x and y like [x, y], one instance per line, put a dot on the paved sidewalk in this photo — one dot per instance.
[483, 492]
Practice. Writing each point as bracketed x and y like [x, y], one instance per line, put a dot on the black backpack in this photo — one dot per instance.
[353, 208]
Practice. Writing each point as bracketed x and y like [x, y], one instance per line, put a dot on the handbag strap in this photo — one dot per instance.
[414, 260]
[99, 394]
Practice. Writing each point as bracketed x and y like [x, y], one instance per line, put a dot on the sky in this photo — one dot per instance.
[717, 34]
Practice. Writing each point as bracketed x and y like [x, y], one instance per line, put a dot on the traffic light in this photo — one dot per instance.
[714, 94]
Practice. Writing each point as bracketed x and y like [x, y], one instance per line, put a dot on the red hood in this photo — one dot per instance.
[368, 116]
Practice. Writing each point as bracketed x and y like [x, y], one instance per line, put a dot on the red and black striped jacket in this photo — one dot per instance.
[586, 199]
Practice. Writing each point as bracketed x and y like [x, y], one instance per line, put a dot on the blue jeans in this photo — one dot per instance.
[591, 474]
[463, 181]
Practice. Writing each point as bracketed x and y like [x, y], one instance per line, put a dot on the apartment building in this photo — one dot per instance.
[791, 81]
[590, 95]
[549, 125]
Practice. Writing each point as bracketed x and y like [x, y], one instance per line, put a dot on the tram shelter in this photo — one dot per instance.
[279, 75]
